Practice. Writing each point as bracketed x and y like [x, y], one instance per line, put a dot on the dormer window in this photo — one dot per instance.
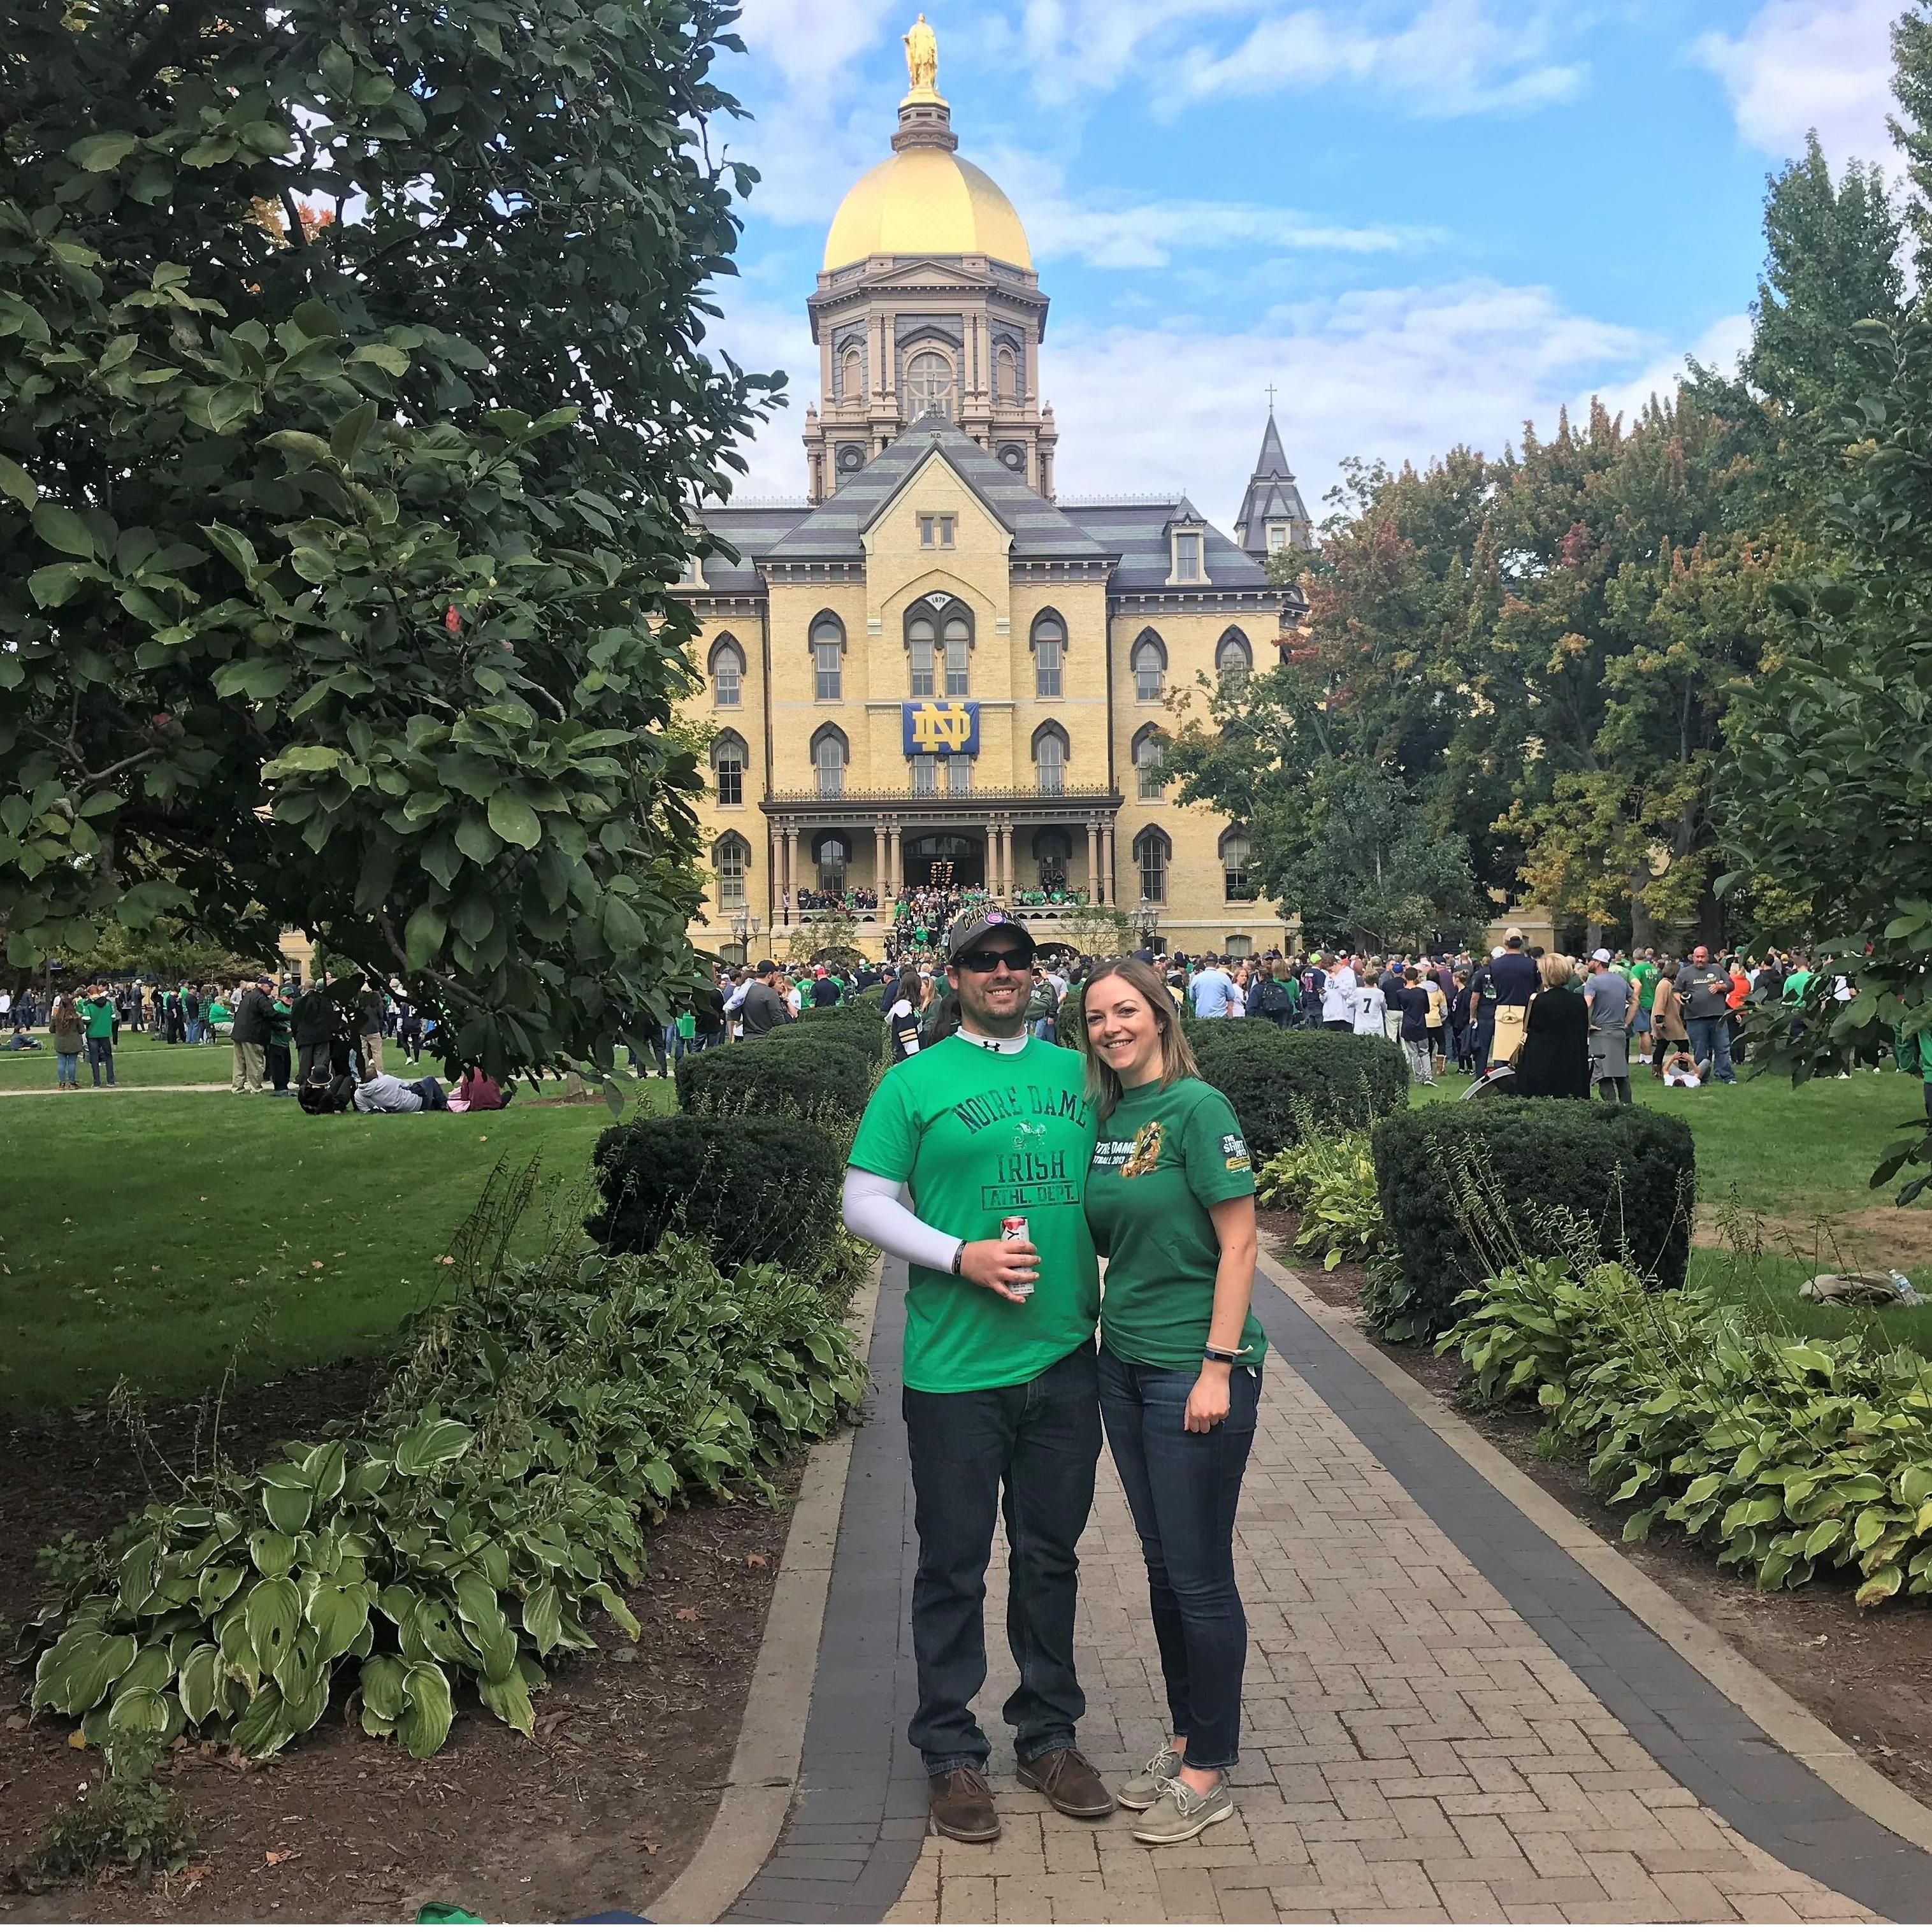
[1187, 557]
[935, 532]
[1277, 537]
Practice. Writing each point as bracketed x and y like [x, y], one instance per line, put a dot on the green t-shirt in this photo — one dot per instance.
[979, 1135]
[1164, 1156]
[1645, 972]
[99, 1017]
[1795, 983]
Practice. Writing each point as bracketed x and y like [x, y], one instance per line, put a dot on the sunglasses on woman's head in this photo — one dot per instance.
[990, 959]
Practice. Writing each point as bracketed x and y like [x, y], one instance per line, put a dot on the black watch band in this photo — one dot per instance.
[1231, 1356]
[958, 1256]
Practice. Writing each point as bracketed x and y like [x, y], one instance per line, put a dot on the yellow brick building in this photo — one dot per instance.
[931, 661]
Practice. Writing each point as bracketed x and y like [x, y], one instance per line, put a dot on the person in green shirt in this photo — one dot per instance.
[1170, 1204]
[98, 1010]
[986, 1126]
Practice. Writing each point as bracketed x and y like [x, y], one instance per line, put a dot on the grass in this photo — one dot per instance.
[140, 1061]
[164, 1236]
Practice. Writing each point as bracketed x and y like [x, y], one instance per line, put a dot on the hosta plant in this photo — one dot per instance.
[1330, 1178]
[1785, 1455]
[461, 1537]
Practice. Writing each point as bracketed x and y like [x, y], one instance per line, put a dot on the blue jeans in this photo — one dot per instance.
[1184, 1490]
[67, 1069]
[1710, 1041]
[1038, 1441]
[100, 1053]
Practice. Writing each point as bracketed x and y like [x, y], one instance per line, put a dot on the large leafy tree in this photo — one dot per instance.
[353, 400]
[1832, 791]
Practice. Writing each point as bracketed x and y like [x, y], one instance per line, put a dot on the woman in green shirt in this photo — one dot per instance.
[1170, 1200]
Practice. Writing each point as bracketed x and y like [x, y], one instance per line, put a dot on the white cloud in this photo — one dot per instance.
[1402, 374]
[1442, 57]
[1717, 348]
[1803, 64]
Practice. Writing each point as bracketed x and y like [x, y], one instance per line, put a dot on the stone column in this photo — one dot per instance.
[993, 857]
[791, 866]
[1094, 860]
[1107, 856]
[1006, 856]
[879, 862]
[893, 861]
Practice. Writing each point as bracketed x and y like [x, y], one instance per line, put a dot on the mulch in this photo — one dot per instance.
[1861, 1672]
[599, 1813]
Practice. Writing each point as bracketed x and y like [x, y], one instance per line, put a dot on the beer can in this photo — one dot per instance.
[1013, 1228]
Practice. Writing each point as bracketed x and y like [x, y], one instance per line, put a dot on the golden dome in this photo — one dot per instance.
[926, 201]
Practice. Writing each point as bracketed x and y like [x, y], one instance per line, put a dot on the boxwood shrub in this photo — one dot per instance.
[813, 1071]
[1467, 1191]
[1276, 1076]
[751, 1189]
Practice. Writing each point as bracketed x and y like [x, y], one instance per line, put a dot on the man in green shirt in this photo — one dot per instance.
[987, 1125]
[98, 1010]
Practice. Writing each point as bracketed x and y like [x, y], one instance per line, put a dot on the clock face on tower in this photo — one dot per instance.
[851, 458]
[1013, 455]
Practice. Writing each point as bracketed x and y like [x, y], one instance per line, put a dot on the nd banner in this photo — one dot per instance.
[941, 728]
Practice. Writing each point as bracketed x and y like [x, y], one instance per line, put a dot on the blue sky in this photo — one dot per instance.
[1422, 220]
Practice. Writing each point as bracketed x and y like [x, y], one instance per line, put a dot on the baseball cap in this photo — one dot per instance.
[1513, 936]
[1601, 957]
[1495, 952]
[971, 928]
[763, 967]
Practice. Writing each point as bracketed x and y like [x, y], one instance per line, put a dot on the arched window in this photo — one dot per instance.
[832, 852]
[729, 757]
[1233, 657]
[1049, 645]
[727, 671]
[1234, 850]
[1053, 847]
[731, 860]
[921, 635]
[959, 654]
[828, 653]
[852, 375]
[1152, 851]
[1050, 748]
[1148, 747]
[829, 753]
[1005, 374]
[929, 384]
[1149, 661]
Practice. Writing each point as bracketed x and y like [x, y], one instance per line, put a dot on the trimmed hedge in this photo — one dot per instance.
[751, 1190]
[1275, 1076]
[861, 1022]
[815, 1070]
[1467, 1192]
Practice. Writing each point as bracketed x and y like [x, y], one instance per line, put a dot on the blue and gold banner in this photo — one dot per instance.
[941, 728]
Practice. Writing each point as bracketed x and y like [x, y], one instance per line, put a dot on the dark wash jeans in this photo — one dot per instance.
[1184, 1491]
[1039, 1441]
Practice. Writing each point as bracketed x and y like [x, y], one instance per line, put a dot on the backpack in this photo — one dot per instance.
[329, 1096]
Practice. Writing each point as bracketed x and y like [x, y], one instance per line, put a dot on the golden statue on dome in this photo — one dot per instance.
[921, 52]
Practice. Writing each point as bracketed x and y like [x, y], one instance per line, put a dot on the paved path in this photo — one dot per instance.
[34, 1093]
[1446, 1718]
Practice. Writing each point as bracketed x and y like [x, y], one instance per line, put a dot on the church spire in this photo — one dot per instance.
[1273, 517]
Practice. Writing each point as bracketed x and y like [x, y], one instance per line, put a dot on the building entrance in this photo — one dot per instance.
[951, 859]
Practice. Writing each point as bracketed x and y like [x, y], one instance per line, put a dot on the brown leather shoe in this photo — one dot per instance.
[1068, 1783]
[962, 1806]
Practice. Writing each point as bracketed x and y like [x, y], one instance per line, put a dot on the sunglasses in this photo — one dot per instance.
[991, 959]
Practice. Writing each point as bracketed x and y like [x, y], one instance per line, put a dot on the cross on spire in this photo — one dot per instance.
[1270, 397]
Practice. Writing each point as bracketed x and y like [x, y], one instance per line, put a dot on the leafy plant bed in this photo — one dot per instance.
[1862, 1674]
[600, 1812]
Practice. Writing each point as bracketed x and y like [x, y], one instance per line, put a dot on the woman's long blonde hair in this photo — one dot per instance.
[1177, 1057]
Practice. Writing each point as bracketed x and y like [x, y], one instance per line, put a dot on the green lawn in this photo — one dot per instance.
[152, 1234]
[139, 1061]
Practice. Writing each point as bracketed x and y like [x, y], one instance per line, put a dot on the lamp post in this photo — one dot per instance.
[1147, 920]
[744, 931]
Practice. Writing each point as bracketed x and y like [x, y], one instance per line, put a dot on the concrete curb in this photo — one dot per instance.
[1774, 1710]
[764, 1770]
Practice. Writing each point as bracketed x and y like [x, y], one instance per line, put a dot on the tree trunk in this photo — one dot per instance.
[1593, 935]
[1643, 928]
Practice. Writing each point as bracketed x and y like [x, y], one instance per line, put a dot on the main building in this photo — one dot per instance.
[934, 668]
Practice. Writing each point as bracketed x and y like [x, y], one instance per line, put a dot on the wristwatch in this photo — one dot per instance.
[1232, 1357]
[958, 1256]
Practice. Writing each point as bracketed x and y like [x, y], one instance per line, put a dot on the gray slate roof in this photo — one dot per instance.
[1136, 533]
[1271, 494]
[835, 528]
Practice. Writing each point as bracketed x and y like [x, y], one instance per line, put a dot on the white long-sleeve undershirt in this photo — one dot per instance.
[875, 1212]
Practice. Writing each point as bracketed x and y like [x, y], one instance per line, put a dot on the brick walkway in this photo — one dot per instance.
[1412, 1749]
[1447, 1719]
